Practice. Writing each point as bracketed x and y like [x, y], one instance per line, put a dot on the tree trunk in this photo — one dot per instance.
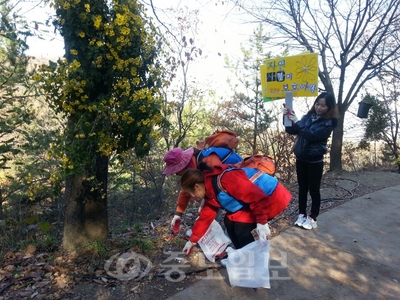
[1, 205]
[336, 148]
[255, 132]
[86, 216]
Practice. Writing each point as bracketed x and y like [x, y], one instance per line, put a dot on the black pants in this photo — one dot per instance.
[309, 177]
[240, 233]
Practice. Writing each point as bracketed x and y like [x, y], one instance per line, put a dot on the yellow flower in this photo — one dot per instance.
[37, 77]
[120, 20]
[97, 22]
[82, 34]
[73, 52]
[87, 7]
[99, 60]
[75, 65]
[125, 30]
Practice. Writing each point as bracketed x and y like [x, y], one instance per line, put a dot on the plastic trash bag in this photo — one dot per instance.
[249, 266]
[214, 241]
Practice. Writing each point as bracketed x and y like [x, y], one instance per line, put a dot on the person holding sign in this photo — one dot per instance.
[313, 131]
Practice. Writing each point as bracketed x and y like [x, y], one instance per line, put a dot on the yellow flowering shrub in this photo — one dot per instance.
[108, 84]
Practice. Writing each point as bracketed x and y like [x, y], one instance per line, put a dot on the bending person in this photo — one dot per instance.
[177, 161]
[248, 205]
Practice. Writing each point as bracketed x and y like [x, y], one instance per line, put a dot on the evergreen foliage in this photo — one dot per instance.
[13, 84]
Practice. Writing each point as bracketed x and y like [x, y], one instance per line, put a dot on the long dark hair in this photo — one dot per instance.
[189, 179]
[333, 110]
[192, 176]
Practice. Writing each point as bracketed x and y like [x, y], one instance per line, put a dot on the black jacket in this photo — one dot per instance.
[312, 137]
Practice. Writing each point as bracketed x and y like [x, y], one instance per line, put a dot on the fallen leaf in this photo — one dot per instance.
[134, 288]
[9, 255]
[34, 273]
[40, 255]
[61, 282]
[30, 250]
[98, 281]
[9, 268]
[42, 283]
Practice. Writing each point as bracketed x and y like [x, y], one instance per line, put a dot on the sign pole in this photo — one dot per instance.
[289, 105]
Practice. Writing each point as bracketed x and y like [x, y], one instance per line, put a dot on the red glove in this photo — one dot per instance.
[175, 223]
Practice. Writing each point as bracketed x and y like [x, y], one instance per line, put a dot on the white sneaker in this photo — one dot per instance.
[309, 223]
[300, 220]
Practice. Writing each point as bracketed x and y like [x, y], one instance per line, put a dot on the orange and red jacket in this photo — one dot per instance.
[260, 209]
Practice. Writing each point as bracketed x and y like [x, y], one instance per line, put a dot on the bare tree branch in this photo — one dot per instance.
[355, 40]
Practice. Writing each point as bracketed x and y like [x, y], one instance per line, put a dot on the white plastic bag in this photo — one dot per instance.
[248, 266]
[214, 241]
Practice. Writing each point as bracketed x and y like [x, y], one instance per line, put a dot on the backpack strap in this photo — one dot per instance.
[226, 157]
[228, 202]
[217, 179]
[256, 176]
[221, 188]
[214, 181]
[200, 156]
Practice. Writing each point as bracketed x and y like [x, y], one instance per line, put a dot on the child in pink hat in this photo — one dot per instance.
[177, 161]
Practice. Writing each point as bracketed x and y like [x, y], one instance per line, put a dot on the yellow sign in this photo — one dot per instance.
[297, 74]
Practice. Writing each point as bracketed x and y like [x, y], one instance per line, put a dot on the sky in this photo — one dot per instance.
[220, 34]
[45, 43]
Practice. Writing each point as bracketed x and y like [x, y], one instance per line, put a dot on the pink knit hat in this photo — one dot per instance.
[176, 160]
